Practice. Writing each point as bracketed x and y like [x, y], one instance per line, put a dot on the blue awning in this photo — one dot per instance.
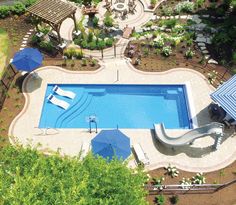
[110, 143]
[225, 96]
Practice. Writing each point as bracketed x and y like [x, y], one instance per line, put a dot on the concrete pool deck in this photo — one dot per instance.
[197, 158]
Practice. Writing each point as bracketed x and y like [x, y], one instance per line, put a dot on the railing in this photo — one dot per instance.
[187, 189]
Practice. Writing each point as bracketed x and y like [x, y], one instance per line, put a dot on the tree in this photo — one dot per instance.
[29, 177]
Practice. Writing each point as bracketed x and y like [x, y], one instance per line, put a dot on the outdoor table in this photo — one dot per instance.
[120, 7]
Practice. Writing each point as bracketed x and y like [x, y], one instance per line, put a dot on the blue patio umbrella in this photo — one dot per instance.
[27, 59]
[109, 143]
[225, 96]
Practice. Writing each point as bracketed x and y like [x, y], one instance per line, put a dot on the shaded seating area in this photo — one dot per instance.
[53, 13]
[225, 99]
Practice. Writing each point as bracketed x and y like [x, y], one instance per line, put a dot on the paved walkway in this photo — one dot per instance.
[198, 158]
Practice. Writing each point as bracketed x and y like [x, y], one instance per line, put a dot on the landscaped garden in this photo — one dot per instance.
[29, 177]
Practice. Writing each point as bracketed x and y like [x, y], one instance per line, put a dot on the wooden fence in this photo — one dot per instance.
[5, 83]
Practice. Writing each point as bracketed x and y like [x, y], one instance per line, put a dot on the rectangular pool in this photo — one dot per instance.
[122, 106]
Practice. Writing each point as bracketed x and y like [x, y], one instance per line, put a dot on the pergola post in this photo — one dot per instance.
[57, 27]
[74, 19]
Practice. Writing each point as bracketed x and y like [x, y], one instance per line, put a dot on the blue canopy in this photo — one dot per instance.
[27, 59]
[109, 143]
[225, 96]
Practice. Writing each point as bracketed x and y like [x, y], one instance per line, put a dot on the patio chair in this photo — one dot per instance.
[229, 121]
[65, 93]
[60, 103]
[140, 154]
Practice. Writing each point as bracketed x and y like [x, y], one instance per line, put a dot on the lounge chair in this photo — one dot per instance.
[64, 93]
[61, 103]
[141, 155]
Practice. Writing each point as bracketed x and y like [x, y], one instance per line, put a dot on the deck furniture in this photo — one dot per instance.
[60, 103]
[140, 154]
[65, 93]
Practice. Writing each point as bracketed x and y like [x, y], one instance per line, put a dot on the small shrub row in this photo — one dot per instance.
[91, 42]
[72, 52]
[17, 8]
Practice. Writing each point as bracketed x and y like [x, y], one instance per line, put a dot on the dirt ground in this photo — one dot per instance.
[157, 63]
[225, 196]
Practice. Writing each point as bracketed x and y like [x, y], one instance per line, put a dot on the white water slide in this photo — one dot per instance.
[214, 129]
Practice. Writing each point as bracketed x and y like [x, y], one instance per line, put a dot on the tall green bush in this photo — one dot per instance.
[28, 177]
[4, 11]
[18, 8]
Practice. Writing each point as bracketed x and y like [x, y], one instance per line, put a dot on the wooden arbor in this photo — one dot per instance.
[53, 12]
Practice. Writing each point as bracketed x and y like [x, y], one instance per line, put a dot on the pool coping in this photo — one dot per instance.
[154, 166]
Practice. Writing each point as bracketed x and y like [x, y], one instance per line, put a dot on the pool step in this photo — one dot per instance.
[96, 91]
[71, 109]
[78, 111]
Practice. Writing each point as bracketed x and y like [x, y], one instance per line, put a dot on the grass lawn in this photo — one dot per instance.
[4, 44]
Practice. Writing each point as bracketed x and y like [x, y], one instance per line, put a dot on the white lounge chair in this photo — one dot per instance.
[141, 155]
[64, 93]
[61, 103]
[85, 148]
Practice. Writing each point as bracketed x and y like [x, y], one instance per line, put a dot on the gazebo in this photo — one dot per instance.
[225, 96]
[53, 12]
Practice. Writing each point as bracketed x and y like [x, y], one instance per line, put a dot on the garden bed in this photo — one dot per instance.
[12, 106]
[225, 196]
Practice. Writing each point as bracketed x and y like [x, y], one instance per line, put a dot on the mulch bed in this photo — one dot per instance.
[158, 63]
[225, 196]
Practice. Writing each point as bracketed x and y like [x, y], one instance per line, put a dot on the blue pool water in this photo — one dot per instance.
[123, 106]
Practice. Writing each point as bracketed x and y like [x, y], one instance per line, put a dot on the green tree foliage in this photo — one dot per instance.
[28, 177]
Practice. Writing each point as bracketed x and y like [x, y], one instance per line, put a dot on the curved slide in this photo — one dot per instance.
[214, 129]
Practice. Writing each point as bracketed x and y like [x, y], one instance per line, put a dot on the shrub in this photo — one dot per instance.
[109, 42]
[35, 39]
[170, 23]
[185, 6]
[160, 199]
[18, 8]
[45, 29]
[108, 21]
[95, 21]
[159, 42]
[79, 54]
[28, 3]
[199, 3]
[84, 62]
[166, 51]
[174, 199]
[69, 52]
[153, 2]
[146, 51]
[93, 62]
[234, 57]
[92, 45]
[167, 11]
[84, 44]
[90, 37]
[101, 45]
[189, 53]
[4, 11]
[46, 45]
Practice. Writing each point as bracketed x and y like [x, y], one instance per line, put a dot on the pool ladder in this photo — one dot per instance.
[92, 119]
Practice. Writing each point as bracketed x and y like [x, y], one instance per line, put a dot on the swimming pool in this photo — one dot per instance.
[122, 106]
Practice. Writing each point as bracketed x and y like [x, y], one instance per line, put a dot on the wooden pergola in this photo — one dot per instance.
[53, 12]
